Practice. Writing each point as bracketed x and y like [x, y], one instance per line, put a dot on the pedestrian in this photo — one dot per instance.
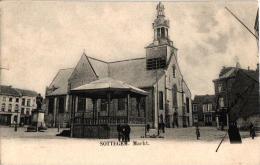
[128, 130]
[197, 132]
[147, 127]
[163, 127]
[123, 131]
[15, 126]
[252, 130]
[119, 133]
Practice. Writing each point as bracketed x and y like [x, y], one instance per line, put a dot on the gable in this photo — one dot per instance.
[83, 73]
[59, 85]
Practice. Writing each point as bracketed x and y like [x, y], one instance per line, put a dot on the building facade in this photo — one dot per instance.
[204, 110]
[237, 96]
[16, 105]
[158, 73]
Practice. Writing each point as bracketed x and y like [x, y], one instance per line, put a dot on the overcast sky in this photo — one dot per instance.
[39, 38]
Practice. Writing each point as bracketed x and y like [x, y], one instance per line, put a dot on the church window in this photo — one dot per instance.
[158, 33]
[173, 71]
[161, 100]
[188, 105]
[174, 96]
[163, 32]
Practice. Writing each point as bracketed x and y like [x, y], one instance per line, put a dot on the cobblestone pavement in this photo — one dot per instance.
[181, 134]
[8, 132]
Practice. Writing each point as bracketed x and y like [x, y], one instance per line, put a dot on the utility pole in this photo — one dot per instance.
[183, 108]
[157, 99]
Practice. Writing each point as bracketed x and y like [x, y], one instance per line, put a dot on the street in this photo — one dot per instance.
[25, 149]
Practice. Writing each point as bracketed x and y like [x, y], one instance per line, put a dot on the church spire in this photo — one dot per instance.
[160, 10]
[161, 26]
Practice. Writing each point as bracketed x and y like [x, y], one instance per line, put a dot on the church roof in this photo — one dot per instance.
[131, 71]
[59, 85]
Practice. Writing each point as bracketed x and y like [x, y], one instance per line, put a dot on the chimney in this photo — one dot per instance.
[257, 67]
[248, 68]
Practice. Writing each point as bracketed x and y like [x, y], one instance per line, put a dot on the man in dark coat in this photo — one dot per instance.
[119, 132]
[252, 130]
[127, 132]
[147, 127]
[197, 132]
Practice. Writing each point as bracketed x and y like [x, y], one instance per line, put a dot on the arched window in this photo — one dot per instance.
[163, 32]
[158, 33]
[173, 71]
[174, 96]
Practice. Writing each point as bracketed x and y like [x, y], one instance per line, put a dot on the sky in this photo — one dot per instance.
[40, 37]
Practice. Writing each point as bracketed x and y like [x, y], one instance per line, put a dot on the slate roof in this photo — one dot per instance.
[59, 85]
[9, 91]
[25, 92]
[131, 71]
[100, 67]
[134, 72]
[204, 98]
[229, 72]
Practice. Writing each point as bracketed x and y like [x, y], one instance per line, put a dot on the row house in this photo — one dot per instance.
[16, 105]
[204, 110]
[237, 96]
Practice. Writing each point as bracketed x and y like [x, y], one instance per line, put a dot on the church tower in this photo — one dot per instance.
[158, 52]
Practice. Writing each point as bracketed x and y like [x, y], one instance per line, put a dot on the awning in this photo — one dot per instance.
[104, 85]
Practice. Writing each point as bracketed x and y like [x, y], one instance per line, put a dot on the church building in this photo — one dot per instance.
[158, 73]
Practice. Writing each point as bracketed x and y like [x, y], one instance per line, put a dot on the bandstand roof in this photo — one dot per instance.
[102, 86]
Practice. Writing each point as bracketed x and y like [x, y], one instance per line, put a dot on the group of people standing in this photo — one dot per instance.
[123, 133]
